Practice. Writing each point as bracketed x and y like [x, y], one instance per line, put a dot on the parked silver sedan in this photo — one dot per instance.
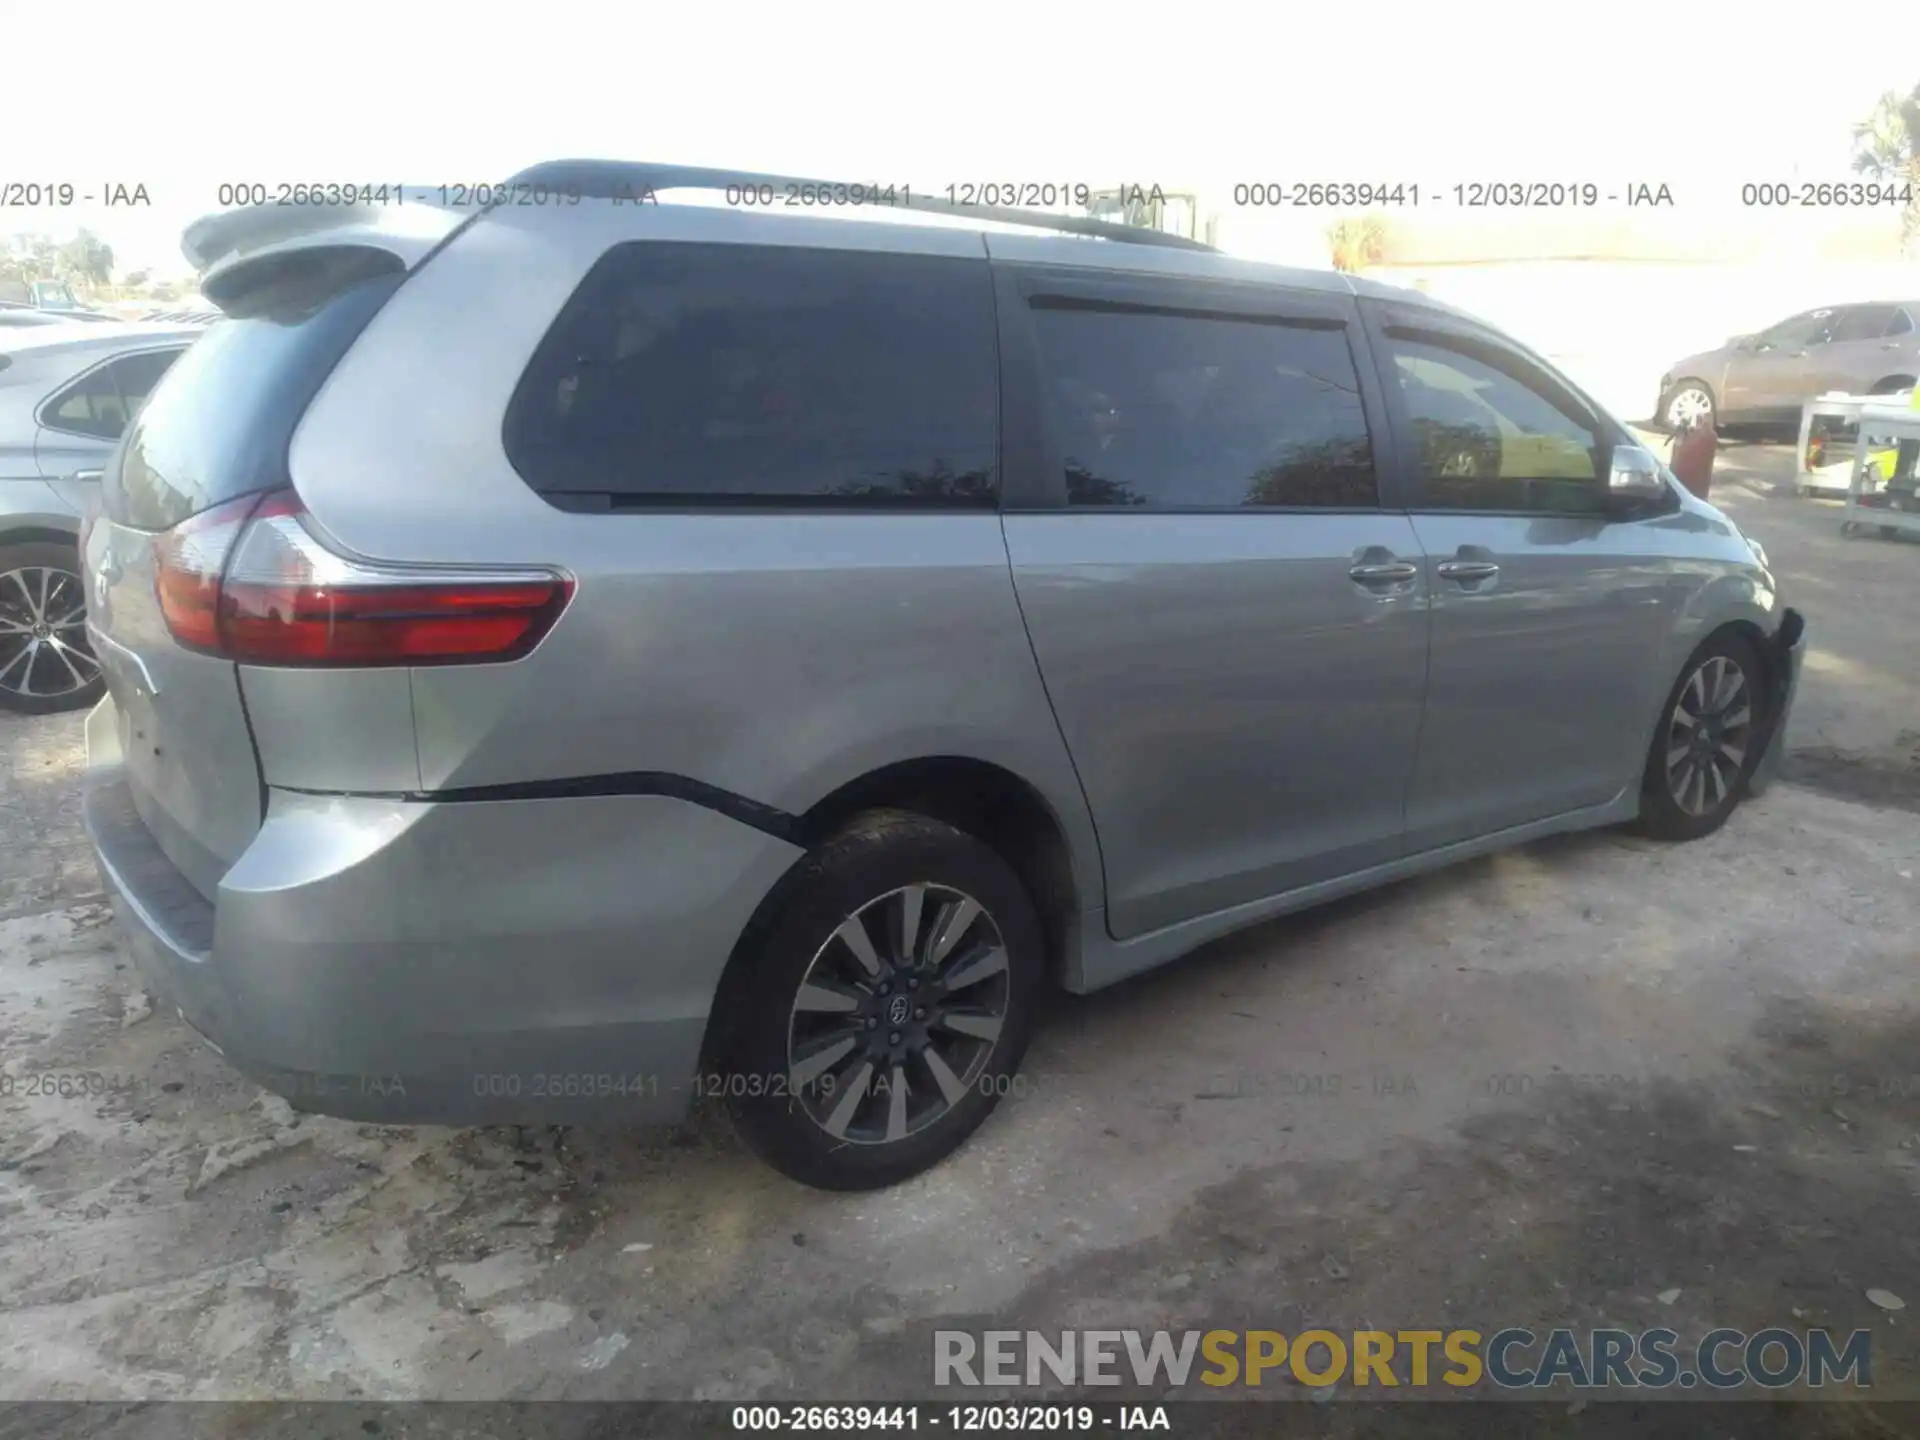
[1761, 379]
[66, 394]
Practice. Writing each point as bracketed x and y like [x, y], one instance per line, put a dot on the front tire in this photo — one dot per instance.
[46, 662]
[1708, 741]
[882, 1003]
[1688, 402]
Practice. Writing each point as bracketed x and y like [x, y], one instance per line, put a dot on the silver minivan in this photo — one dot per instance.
[581, 655]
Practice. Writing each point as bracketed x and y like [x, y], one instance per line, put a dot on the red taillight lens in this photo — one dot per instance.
[276, 624]
[258, 586]
[188, 561]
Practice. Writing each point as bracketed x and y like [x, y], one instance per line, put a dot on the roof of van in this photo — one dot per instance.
[219, 242]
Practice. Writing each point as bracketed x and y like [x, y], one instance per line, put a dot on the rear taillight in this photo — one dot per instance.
[251, 581]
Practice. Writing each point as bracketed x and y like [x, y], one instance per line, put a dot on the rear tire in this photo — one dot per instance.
[46, 660]
[1708, 742]
[853, 1059]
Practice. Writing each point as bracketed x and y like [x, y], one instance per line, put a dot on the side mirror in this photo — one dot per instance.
[1635, 485]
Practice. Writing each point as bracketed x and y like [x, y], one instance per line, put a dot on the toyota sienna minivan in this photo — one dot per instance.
[575, 656]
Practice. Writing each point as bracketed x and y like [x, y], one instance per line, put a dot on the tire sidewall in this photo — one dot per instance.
[877, 854]
[1660, 814]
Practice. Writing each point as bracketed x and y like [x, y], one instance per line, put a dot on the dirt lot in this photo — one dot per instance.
[1548, 1088]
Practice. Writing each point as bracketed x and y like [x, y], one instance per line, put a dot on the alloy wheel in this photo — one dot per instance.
[897, 1014]
[1690, 406]
[1708, 735]
[44, 653]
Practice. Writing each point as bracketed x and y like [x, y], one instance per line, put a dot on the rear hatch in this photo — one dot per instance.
[217, 428]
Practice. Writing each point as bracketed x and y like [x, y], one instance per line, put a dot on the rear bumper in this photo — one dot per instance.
[533, 962]
[1789, 645]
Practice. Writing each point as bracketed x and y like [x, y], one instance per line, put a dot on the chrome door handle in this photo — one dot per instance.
[1467, 569]
[1385, 573]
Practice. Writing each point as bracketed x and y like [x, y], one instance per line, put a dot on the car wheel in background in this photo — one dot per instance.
[46, 661]
[1707, 743]
[1687, 403]
[881, 1003]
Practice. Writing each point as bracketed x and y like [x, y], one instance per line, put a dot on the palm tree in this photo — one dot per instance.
[1887, 148]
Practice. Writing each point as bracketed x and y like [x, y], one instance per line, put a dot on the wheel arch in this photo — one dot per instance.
[1681, 382]
[1003, 810]
[1750, 627]
[38, 535]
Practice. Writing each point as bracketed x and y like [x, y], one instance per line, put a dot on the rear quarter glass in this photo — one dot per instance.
[219, 423]
[711, 375]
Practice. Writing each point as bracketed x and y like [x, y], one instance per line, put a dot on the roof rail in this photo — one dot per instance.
[624, 179]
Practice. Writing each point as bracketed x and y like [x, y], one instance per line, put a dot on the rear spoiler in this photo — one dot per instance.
[410, 229]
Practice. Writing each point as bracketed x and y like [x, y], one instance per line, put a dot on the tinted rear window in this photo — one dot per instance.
[218, 425]
[683, 375]
[1185, 412]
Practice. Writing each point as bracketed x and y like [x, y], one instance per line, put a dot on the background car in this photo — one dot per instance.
[66, 394]
[54, 297]
[1760, 380]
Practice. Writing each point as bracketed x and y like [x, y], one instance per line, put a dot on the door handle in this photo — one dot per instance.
[1386, 572]
[1466, 569]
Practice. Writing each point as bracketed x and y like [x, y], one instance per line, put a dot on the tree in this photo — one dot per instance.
[40, 256]
[1886, 147]
[1358, 242]
[87, 258]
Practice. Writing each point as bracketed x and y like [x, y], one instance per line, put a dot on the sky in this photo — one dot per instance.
[1700, 97]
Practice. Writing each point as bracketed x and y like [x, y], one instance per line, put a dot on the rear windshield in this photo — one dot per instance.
[218, 426]
[697, 375]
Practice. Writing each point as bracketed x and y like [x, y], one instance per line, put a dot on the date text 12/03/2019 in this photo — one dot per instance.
[959, 1419]
[1471, 195]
